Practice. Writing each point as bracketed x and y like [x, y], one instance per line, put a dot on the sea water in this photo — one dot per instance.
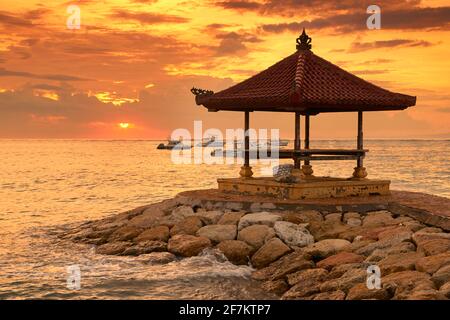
[47, 186]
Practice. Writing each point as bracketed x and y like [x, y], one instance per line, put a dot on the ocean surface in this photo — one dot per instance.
[50, 185]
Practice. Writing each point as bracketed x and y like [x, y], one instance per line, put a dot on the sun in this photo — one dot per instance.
[124, 125]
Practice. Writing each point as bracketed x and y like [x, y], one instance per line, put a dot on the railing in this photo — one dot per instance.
[322, 154]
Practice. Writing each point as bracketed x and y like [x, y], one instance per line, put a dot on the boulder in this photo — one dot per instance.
[300, 291]
[293, 235]
[231, 218]
[377, 219]
[130, 214]
[339, 259]
[379, 254]
[256, 235]
[187, 245]
[307, 276]
[210, 217]
[325, 248]
[407, 282]
[401, 220]
[348, 280]
[434, 246]
[427, 294]
[217, 233]
[327, 229]
[331, 295]
[354, 222]
[445, 290]
[351, 215]
[160, 233]
[296, 217]
[281, 267]
[429, 230]
[397, 234]
[277, 286]
[269, 252]
[144, 247]
[182, 212]
[382, 244]
[431, 264]
[113, 248]
[405, 278]
[189, 225]
[149, 218]
[310, 215]
[80, 235]
[264, 218]
[334, 217]
[339, 270]
[350, 233]
[97, 234]
[413, 225]
[124, 233]
[441, 276]
[422, 290]
[292, 265]
[96, 241]
[357, 244]
[236, 251]
[399, 262]
[373, 233]
[108, 225]
[361, 292]
[419, 237]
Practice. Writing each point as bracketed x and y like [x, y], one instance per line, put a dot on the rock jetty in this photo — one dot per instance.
[296, 254]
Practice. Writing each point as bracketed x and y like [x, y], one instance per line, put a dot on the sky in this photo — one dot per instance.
[126, 73]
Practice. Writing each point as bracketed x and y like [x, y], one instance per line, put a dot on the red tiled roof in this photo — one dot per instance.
[305, 83]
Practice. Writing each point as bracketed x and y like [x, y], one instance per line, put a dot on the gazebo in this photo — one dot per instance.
[306, 85]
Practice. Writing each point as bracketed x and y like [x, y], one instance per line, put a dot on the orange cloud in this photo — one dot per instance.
[83, 83]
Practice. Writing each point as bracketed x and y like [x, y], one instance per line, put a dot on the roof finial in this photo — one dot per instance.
[303, 41]
[198, 92]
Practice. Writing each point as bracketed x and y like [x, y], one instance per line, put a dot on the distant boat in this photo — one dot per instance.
[269, 143]
[171, 144]
[260, 144]
[210, 142]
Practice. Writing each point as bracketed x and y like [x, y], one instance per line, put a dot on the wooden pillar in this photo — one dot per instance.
[307, 132]
[359, 171]
[246, 170]
[297, 141]
[247, 139]
[359, 143]
[307, 168]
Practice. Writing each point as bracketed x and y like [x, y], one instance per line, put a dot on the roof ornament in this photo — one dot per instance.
[303, 41]
[201, 92]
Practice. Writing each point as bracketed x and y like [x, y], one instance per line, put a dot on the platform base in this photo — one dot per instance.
[316, 188]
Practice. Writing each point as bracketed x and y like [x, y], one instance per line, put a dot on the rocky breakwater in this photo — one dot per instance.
[305, 254]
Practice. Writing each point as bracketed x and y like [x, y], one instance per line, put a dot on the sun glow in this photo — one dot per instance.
[124, 125]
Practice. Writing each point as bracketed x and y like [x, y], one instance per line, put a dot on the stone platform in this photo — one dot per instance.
[313, 188]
